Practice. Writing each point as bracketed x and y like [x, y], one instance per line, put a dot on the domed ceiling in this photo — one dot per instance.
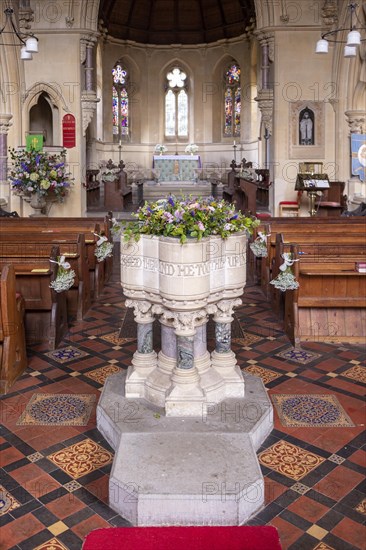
[176, 21]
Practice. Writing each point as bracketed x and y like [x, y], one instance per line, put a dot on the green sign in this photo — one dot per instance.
[34, 141]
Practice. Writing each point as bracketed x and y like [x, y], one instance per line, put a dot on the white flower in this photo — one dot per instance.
[64, 280]
[191, 148]
[285, 281]
[160, 148]
[103, 250]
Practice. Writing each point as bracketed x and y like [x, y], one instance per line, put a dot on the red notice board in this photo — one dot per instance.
[68, 131]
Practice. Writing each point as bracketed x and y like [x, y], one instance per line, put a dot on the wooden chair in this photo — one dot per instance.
[333, 202]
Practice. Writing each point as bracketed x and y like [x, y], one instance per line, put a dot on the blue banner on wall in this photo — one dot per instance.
[358, 146]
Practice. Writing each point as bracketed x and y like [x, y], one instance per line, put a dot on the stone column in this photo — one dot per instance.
[159, 380]
[144, 359]
[223, 358]
[185, 397]
[89, 67]
[89, 98]
[357, 123]
[4, 184]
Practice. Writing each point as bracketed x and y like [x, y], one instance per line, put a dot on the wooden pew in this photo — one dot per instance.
[316, 249]
[45, 309]
[334, 235]
[98, 270]
[72, 246]
[13, 357]
[330, 303]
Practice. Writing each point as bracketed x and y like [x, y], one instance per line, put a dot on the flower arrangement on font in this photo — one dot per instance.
[187, 217]
[39, 172]
[65, 276]
[104, 248]
[159, 148]
[286, 280]
[192, 148]
[259, 245]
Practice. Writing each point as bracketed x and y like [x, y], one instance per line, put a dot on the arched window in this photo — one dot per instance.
[232, 100]
[176, 104]
[120, 103]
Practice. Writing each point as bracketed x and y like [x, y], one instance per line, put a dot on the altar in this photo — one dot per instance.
[176, 167]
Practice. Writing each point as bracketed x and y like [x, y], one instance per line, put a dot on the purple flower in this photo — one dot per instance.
[178, 215]
[171, 201]
[200, 226]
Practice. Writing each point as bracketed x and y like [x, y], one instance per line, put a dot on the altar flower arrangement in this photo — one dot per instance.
[188, 217]
[286, 280]
[192, 148]
[159, 148]
[65, 276]
[39, 172]
[104, 248]
[259, 245]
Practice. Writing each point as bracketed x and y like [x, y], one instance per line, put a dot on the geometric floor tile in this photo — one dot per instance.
[64, 355]
[52, 544]
[114, 338]
[247, 339]
[266, 375]
[298, 355]
[100, 375]
[290, 460]
[361, 507]
[60, 409]
[7, 501]
[300, 488]
[81, 458]
[311, 411]
[356, 373]
[72, 486]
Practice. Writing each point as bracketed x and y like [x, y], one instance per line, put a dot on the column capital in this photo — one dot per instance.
[5, 122]
[357, 121]
[225, 310]
[142, 310]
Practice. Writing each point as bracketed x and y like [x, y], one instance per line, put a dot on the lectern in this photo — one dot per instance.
[311, 179]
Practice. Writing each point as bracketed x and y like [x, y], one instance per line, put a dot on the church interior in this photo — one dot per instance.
[261, 103]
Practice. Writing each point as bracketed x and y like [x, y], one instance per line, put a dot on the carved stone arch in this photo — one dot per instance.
[56, 102]
[88, 13]
[266, 12]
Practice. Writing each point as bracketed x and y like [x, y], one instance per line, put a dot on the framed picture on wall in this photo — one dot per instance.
[306, 139]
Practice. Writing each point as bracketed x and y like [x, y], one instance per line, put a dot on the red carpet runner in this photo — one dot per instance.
[183, 538]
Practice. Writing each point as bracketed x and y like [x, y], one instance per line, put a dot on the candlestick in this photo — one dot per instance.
[234, 143]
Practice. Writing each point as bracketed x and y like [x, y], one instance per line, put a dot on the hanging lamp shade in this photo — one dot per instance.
[31, 44]
[322, 46]
[26, 56]
[350, 51]
[353, 38]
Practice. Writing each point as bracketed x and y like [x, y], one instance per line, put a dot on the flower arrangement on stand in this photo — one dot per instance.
[286, 280]
[188, 217]
[192, 148]
[39, 173]
[65, 276]
[159, 148]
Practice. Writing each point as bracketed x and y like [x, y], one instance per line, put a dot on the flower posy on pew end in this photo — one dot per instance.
[188, 217]
[286, 280]
[103, 249]
[65, 276]
[39, 172]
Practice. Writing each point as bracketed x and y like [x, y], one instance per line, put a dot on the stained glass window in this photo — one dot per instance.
[176, 104]
[232, 101]
[120, 102]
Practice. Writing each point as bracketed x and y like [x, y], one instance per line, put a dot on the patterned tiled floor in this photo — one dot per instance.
[54, 479]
